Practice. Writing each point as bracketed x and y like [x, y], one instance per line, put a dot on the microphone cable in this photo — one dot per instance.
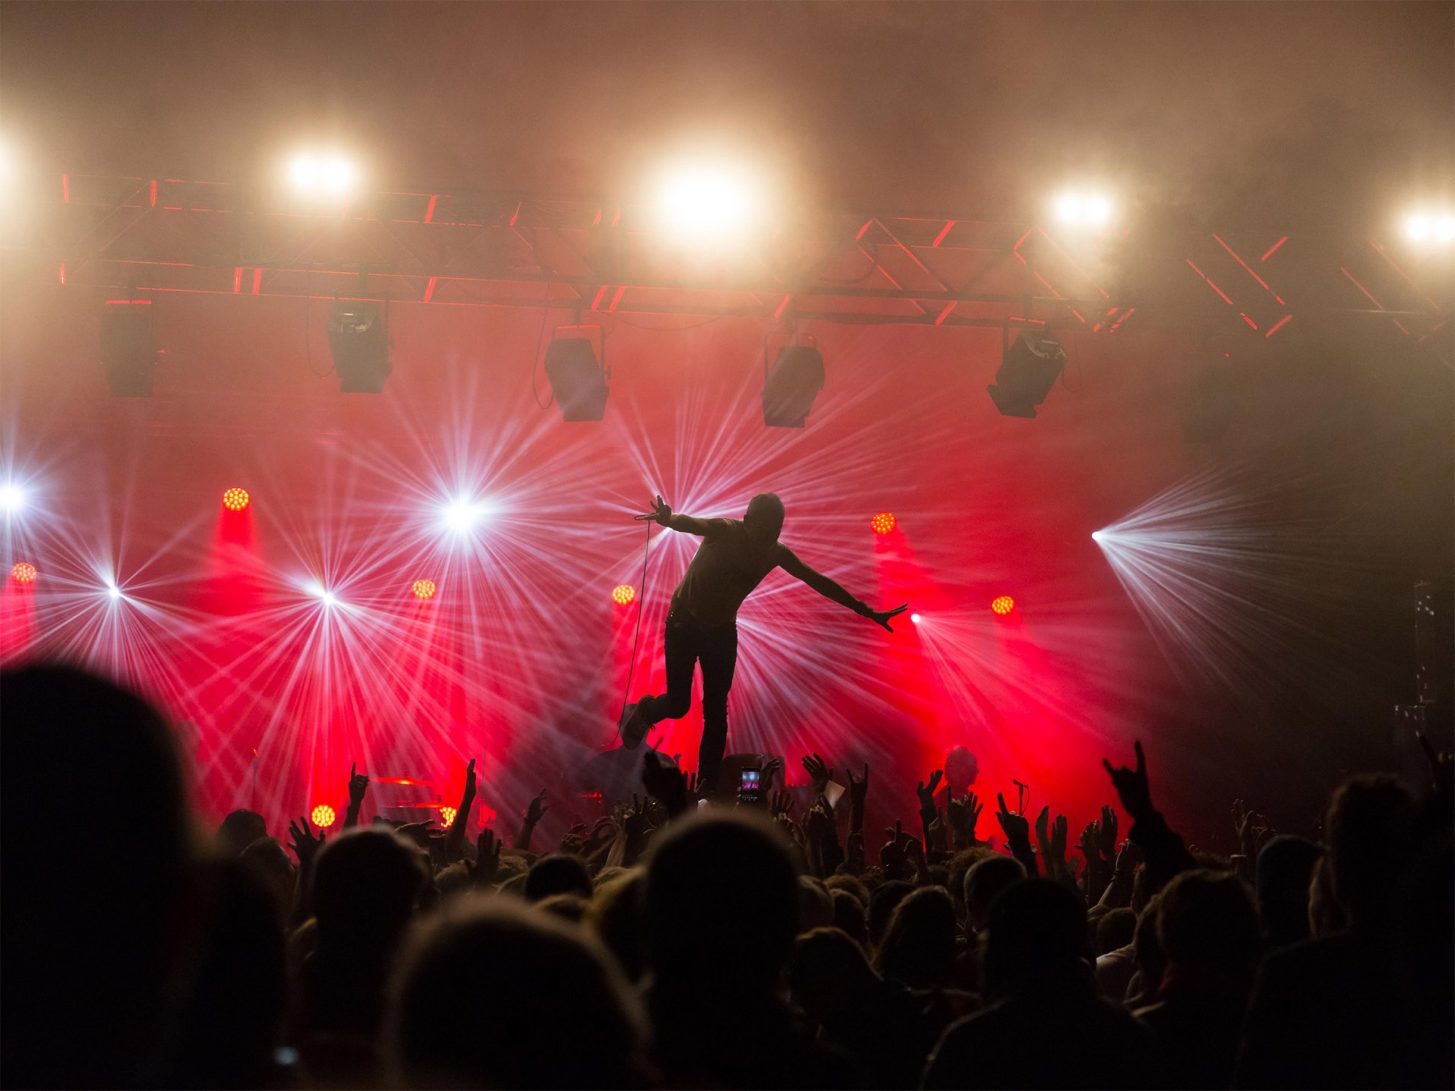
[636, 636]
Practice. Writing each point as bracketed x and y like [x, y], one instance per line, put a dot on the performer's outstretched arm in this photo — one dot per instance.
[831, 590]
[686, 524]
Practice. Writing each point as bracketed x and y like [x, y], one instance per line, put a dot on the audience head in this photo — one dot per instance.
[454, 880]
[615, 915]
[567, 907]
[829, 974]
[1207, 927]
[239, 830]
[815, 906]
[1116, 929]
[849, 916]
[882, 902]
[1285, 867]
[90, 934]
[1370, 826]
[557, 874]
[919, 944]
[984, 882]
[1324, 913]
[269, 861]
[1036, 936]
[960, 865]
[851, 883]
[1147, 951]
[501, 995]
[231, 1023]
[721, 903]
[366, 882]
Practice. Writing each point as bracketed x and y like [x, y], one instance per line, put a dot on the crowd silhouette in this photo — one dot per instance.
[701, 944]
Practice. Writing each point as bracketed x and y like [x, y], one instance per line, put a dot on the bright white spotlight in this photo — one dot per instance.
[914, 618]
[463, 516]
[1096, 535]
[113, 592]
[1426, 225]
[339, 175]
[305, 172]
[1417, 227]
[1083, 208]
[12, 497]
[322, 593]
[708, 201]
[314, 174]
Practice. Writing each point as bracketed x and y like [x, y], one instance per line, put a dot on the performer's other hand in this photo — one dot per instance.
[881, 617]
[662, 511]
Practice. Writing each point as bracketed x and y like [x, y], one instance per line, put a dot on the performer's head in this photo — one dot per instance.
[764, 520]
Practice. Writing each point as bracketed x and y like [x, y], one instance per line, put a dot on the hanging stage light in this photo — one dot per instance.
[577, 380]
[128, 349]
[793, 382]
[359, 340]
[1026, 373]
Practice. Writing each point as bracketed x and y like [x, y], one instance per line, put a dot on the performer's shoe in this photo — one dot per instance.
[633, 726]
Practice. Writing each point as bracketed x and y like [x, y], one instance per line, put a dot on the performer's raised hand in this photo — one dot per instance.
[661, 513]
[881, 617]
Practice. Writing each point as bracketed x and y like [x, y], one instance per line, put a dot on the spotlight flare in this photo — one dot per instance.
[1426, 225]
[423, 589]
[1083, 208]
[623, 594]
[883, 523]
[324, 816]
[23, 572]
[236, 499]
[316, 174]
[704, 201]
[1002, 605]
[462, 515]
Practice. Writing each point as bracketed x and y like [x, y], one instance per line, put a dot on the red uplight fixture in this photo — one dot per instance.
[447, 817]
[1002, 605]
[423, 589]
[236, 499]
[22, 572]
[324, 816]
[883, 523]
[623, 594]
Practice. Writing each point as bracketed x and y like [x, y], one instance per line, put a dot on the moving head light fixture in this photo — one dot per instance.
[1027, 371]
[578, 381]
[358, 337]
[128, 347]
[791, 385]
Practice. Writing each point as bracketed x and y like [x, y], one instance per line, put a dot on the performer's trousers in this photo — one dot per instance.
[716, 648]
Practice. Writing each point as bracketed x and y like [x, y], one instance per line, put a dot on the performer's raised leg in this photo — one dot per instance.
[718, 651]
[681, 653]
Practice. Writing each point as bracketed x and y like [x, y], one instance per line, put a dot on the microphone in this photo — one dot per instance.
[647, 515]
[1018, 784]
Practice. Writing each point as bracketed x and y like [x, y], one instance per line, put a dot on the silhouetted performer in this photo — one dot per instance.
[734, 557]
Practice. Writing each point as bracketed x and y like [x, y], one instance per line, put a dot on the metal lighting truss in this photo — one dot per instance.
[147, 236]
